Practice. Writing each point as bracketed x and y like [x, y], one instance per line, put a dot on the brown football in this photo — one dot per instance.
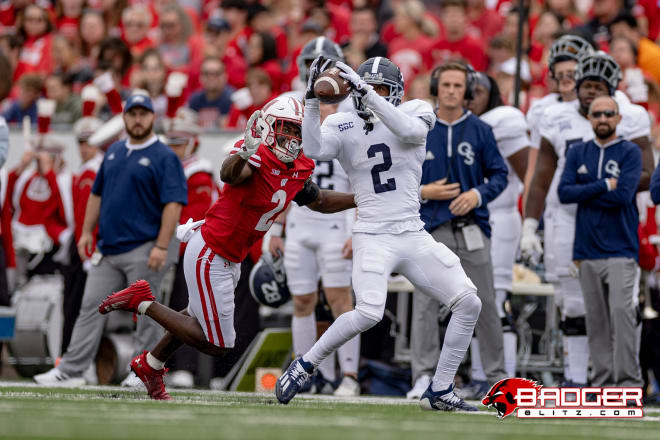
[330, 88]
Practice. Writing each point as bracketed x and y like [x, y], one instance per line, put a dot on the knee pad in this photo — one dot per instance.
[576, 326]
[362, 322]
[467, 307]
[374, 312]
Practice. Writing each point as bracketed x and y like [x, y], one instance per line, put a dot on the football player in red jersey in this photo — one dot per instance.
[265, 171]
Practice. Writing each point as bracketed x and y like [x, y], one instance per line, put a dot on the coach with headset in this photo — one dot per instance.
[461, 153]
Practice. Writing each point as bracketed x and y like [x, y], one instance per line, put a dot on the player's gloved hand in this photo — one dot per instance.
[530, 244]
[350, 75]
[252, 138]
[319, 64]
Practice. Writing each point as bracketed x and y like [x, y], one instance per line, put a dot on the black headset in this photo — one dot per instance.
[470, 84]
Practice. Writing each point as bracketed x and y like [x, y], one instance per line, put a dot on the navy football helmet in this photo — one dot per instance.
[268, 281]
[318, 46]
[379, 70]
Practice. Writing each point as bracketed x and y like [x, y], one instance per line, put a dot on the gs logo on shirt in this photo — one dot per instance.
[465, 150]
[612, 167]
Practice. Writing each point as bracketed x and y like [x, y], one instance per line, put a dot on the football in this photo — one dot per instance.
[330, 88]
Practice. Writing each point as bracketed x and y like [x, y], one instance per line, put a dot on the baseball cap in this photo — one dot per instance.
[139, 100]
[217, 24]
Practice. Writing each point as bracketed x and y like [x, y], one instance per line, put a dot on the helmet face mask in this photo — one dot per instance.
[599, 66]
[375, 71]
[288, 140]
[281, 127]
[314, 48]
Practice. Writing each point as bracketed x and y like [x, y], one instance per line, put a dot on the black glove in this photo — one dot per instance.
[318, 65]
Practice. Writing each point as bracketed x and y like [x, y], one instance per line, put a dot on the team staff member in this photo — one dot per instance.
[136, 200]
[461, 153]
[602, 176]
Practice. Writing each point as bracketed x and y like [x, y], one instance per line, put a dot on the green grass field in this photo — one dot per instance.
[31, 412]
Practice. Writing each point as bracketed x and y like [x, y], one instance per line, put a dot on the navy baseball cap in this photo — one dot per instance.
[139, 100]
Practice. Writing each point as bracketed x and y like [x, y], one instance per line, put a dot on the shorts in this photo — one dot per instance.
[313, 248]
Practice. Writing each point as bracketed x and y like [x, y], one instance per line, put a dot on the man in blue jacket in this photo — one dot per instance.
[655, 186]
[461, 153]
[602, 176]
[136, 201]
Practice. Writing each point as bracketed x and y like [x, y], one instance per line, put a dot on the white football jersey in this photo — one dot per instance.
[535, 114]
[510, 130]
[563, 126]
[384, 172]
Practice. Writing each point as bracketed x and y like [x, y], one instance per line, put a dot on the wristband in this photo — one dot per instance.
[160, 247]
[277, 229]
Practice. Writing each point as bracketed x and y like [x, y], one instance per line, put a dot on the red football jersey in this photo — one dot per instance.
[244, 213]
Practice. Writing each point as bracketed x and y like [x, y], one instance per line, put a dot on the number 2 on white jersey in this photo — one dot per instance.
[267, 219]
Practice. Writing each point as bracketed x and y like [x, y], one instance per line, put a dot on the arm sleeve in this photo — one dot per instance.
[569, 190]
[4, 141]
[319, 142]
[495, 170]
[655, 186]
[626, 186]
[410, 128]
[308, 194]
[173, 187]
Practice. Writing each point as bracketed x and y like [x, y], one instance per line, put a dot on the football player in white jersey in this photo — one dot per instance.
[320, 244]
[565, 53]
[382, 146]
[564, 124]
[510, 130]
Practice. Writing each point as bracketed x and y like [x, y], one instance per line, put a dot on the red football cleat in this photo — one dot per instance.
[127, 299]
[152, 379]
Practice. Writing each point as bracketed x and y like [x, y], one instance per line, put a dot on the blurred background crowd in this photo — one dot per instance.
[240, 53]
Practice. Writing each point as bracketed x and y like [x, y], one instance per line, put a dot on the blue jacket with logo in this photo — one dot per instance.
[607, 221]
[464, 151]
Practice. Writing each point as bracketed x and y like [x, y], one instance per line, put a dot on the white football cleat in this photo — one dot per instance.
[421, 384]
[348, 387]
[180, 379]
[57, 378]
[132, 381]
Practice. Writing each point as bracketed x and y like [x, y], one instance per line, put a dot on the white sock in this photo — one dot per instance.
[345, 328]
[328, 368]
[578, 355]
[303, 329]
[153, 362]
[143, 306]
[465, 313]
[349, 356]
[477, 370]
[510, 353]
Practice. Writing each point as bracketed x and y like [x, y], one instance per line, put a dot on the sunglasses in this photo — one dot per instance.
[606, 113]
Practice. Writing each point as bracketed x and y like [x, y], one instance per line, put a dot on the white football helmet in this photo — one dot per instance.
[182, 129]
[282, 109]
